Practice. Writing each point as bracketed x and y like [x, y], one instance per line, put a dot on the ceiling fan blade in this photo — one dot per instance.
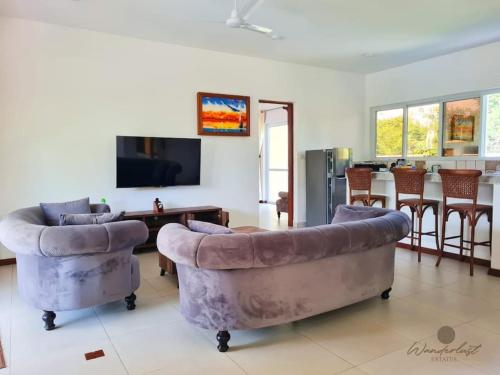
[247, 11]
[256, 28]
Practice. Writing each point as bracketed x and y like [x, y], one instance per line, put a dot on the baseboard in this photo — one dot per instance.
[8, 261]
[494, 272]
[446, 254]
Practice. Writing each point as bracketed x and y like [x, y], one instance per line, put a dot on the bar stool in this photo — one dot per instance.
[463, 184]
[361, 179]
[411, 182]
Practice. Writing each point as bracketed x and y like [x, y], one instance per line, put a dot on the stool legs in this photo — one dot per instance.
[462, 219]
[472, 239]
[412, 229]
[420, 217]
[436, 229]
[443, 234]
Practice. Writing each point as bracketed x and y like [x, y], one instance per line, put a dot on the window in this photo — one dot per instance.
[462, 127]
[423, 130]
[492, 125]
[389, 133]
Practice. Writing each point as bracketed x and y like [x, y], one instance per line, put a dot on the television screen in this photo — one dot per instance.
[148, 161]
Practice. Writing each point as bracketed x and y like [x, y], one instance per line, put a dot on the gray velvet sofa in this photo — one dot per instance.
[72, 267]
[246, 281]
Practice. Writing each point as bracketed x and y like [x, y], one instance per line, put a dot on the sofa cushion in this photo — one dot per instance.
[85, 219]
[52, 211]
[209, 228]
[344, 214]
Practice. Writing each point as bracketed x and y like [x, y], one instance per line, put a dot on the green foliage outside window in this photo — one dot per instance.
[493, 125]
[390, 133]
[423, 130]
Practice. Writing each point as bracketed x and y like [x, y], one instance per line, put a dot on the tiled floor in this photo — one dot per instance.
[372, 337]
[269, 219]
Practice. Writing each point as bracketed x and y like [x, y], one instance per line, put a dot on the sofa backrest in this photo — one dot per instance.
[24, 231]
[275, 248]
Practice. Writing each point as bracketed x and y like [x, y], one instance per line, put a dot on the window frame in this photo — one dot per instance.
[481, 94]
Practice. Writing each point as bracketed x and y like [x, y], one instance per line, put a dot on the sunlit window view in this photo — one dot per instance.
[423, 130]
[493, 125]
[277, 160]
[390, 133]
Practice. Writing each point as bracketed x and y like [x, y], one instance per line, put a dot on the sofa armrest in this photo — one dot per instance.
[126, 234]
[179, 244]
[21, 237]
[95, 238]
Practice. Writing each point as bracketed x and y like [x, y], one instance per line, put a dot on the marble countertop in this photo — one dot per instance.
[486, 178]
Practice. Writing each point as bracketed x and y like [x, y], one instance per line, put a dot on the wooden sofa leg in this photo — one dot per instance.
[48, 317]
[223, 338]
[386, 294]
[130, 301]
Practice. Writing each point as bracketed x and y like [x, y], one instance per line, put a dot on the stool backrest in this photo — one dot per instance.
[460, 183]
[409, 181]
[359, 178]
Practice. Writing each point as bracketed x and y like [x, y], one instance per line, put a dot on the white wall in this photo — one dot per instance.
[468, 70]
[66, 93]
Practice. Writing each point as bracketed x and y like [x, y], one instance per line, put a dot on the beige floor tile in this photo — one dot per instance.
[404, 286]
[146, 290]
[171, 348]
[353, 337]
[164, 285]
[489, 322]
[428, 274]
[30, 339]
[117, 320]
[454, 304]
[71, 360]
[412, 319]
[148, 262]
[400, 362]
[281, 350]
[487, 358]
[353, 371]
[486, 288]
[268, 218]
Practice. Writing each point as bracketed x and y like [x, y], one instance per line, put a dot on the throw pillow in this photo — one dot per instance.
[52, 211]
[85, 219]
[209, 228]
[344, 214]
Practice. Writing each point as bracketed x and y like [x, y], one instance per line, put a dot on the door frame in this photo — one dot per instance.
[288, 106]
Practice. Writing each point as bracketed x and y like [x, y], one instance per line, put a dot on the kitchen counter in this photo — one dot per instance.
[486, 178]
[489, 193]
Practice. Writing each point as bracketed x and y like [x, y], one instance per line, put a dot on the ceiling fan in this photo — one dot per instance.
[239, 19]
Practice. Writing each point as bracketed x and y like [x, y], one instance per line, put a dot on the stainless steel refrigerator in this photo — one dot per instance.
[325, 183]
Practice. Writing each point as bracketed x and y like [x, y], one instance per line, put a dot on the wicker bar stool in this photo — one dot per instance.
[463, 184]
[411, 182]
[360, 179]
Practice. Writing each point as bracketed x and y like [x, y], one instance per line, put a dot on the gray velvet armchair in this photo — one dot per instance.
[71, 267]
[246, 281]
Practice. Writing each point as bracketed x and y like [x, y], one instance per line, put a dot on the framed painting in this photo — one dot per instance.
[220, 114]
[462, 128]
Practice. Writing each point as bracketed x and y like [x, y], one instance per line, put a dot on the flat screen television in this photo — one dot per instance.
[153, 162]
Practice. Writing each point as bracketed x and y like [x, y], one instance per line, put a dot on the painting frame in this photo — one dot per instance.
[203, 97]
[462, 128]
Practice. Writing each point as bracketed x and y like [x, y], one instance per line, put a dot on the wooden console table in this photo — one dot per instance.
[156, 220]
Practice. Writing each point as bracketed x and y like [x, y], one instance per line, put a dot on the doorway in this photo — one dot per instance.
[276, 164]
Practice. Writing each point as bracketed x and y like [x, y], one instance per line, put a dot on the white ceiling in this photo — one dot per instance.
[336, 34]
